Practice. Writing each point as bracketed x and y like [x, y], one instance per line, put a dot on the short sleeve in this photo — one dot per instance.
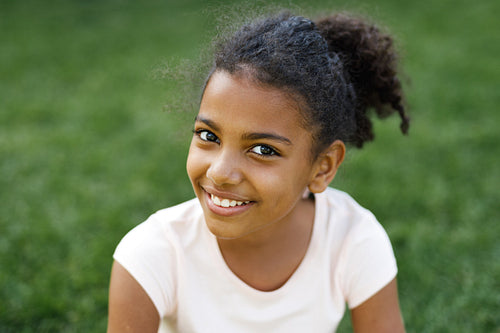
[368, 261]
[149, 257]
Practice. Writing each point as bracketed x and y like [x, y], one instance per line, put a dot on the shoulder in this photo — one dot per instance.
[349, 223]
[364, 256]
[161, 235]
[341, 200]
[183, 211]
[165, 225]
[345, 215]
[183, 214]
[150, 252]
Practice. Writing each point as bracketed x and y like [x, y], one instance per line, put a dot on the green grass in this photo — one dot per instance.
[87, 152]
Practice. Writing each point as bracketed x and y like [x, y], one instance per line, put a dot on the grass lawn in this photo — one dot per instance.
[87, 152]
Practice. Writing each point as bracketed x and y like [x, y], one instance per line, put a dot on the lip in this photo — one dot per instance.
[225, 211]
[223, 194]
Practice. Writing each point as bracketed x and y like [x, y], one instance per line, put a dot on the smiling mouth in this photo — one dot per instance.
[222, 202]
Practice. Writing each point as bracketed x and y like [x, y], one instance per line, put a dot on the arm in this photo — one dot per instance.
[380, 313]
[130, 308]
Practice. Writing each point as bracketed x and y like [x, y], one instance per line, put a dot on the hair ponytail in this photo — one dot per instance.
[370, 62]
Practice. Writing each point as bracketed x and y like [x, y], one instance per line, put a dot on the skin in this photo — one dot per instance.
[380, 313]
[130, 308]
[250, 145]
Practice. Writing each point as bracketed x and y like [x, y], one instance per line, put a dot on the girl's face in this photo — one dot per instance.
[250, 158]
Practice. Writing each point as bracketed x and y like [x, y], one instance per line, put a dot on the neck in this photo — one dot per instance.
[296, 226]
[267, 258]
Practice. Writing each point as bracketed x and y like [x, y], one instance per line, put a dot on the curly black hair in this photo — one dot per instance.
[337, 68]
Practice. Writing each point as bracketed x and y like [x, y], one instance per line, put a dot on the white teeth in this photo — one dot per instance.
[226, 202]
[216, 200]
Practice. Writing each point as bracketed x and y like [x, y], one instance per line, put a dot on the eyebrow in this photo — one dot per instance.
[269, 136]
[208, 122]
[248, 136]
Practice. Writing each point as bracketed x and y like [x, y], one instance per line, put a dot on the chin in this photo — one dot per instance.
[221, 232]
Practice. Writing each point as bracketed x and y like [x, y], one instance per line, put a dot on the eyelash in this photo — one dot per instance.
[200, 132]
[273, 152]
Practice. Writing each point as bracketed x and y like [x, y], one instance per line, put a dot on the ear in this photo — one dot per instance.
[326, 166]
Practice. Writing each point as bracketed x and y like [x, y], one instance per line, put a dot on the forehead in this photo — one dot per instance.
[237, 101]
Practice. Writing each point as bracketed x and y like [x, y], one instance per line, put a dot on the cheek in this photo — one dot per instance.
[280, 185]
[194, 165]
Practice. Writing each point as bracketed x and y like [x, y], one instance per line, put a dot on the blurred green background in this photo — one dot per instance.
[87, 151]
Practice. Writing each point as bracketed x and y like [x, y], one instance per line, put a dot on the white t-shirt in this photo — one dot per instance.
[177, 261]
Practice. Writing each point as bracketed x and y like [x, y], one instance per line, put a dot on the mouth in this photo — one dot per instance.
[226, 206]
[222, 202]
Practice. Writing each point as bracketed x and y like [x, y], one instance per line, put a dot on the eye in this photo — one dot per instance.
[264, 150]
[207, 136]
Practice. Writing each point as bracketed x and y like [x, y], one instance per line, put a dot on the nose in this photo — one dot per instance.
[225, 169]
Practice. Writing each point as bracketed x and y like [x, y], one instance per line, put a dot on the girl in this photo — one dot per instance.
[267, 246]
